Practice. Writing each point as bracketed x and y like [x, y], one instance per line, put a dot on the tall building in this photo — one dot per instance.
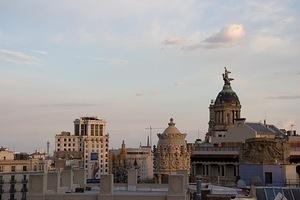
[224, 110]
[123, 159]
[90, 141]
[171, 153]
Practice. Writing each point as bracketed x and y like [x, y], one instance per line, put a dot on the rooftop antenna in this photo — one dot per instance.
[150, 133]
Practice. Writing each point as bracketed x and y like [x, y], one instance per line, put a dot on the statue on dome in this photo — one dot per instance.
[226, 77]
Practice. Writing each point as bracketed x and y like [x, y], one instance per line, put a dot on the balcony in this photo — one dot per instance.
[24, 190]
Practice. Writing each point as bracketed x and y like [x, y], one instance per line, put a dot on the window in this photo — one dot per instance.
[58, 139]
[13, 168]
[1, 169]
[97, 130]
[92, 129]
[101, 130]
[268, 177]
[24, 168]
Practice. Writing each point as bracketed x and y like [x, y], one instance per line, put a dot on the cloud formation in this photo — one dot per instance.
[173, 40]
[17, 57]
[285, 97]
[228, 35]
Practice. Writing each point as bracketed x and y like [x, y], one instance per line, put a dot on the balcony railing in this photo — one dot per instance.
[13, 181]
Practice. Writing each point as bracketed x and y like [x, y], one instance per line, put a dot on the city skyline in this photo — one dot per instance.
[138, 63]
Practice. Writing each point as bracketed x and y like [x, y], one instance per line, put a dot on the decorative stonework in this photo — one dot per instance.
[262, 150]
[171, 153]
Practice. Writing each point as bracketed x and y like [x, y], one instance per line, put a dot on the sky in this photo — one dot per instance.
[136, 63]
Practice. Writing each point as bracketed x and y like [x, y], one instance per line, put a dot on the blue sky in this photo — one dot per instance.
[137, 63]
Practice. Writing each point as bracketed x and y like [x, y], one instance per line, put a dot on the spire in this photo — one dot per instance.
[148, 141]
[123, 145]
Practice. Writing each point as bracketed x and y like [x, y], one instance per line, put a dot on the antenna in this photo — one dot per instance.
[150, 133]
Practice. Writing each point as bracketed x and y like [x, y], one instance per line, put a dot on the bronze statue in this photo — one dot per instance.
[226, 77]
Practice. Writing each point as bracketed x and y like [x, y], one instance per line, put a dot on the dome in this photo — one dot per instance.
[171, 129]
[228, 96]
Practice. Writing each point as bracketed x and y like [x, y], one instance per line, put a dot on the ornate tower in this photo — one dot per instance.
[171, 153]
[225, 109]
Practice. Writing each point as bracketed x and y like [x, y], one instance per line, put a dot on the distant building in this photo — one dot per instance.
[88, 146]
[224, 110]
[242, 130]
[171, 153]
[123, 159]
[235, 149]
[14, 171]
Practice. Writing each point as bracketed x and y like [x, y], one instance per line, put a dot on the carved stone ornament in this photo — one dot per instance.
[262, 150]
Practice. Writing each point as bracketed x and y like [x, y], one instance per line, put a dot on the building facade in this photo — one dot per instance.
[123, 159]
[171, 153]
[89, 142]
[14, 171]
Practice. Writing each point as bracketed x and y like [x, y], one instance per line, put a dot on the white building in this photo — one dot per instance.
[14, 171]
[90, 141]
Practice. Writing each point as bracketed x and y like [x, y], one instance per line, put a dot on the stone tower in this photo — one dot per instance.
[225, 109]
[171, 153]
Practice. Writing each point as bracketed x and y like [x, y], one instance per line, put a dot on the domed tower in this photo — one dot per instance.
[171, 153]
[225, 109]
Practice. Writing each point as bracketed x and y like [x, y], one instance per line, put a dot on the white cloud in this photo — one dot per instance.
[174, 40]
[40, 52]
[228, 35]
[17, 57]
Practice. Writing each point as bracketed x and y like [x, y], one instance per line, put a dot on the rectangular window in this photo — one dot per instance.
[24, 168]
[13, 168]
[92, 129]
[101, 129]
[97, 130]
[268, 177]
